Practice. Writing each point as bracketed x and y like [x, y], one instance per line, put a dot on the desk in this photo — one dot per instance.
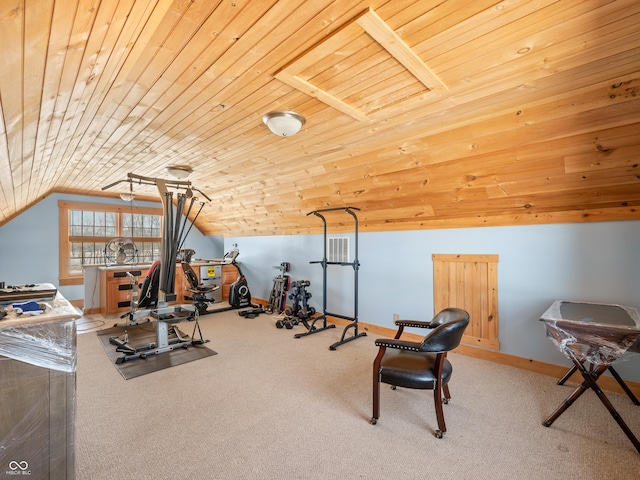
[597, 335]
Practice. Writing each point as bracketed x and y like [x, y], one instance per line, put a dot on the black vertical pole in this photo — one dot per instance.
[356, 267]
[324, 267]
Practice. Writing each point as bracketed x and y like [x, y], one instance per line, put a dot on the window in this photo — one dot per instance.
[144, 229]
[85, 228]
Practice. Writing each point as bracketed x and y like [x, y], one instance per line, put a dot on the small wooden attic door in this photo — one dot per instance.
[469, 282]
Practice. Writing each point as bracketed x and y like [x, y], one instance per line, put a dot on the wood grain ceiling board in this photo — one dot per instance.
[361, 68]
[426, 114]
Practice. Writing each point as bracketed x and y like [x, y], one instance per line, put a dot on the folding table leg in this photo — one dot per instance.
[615, 375]
[614, 413]
[567, 375]
[624, 386]
[565, 405]
[590, 382]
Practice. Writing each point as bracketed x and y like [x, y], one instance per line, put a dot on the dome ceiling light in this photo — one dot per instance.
[179, 171]
[284, 124]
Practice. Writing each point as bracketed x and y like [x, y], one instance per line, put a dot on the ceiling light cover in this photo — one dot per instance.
[179, 171]
[127, 196]
[285, 123]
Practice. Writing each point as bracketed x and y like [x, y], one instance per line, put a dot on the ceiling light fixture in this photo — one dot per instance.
[285, 124]
[127, 197]
[179, 171]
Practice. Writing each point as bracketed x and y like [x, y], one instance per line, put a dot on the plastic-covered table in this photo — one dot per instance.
[593, 336]
[38, 389]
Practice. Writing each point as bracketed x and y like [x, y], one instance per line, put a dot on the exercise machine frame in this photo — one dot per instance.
[134, 316]
[325, 263]
[173, 236]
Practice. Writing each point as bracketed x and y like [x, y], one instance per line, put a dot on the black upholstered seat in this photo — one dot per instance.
[198, 291]
[420, 365]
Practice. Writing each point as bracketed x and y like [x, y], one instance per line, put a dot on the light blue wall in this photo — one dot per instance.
[598, 262]
[29, 243]
[538, 264]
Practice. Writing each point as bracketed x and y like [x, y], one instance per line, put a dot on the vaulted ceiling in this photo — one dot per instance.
[423, 114]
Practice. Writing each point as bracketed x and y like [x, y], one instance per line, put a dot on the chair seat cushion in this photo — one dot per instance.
[412, 370]
[202, 289]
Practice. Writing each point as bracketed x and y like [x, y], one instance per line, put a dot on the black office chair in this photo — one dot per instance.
[198, 291]
[421, 365]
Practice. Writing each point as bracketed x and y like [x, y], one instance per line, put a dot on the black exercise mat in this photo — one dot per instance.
[142, 335]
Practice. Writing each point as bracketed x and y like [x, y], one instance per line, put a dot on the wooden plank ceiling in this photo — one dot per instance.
[423, 113]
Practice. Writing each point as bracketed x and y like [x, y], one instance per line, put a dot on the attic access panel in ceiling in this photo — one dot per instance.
[361, 69]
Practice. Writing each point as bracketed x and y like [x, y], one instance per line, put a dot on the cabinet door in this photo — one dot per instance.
[119, 296]
[229, 275]
[116, 291]
[182, 287]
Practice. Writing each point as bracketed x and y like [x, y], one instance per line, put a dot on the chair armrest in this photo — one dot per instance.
[413, 323]
[398, 344]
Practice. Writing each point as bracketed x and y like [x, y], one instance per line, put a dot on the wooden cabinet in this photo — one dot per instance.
[229, 275]
[116, 288]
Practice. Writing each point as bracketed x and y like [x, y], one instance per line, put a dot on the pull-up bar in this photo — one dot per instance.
[346, 209]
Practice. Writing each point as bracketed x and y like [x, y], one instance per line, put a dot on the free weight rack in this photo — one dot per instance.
[299, 311]
[325, 263]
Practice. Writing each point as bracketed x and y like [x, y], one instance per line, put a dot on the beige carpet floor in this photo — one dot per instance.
[270, 406]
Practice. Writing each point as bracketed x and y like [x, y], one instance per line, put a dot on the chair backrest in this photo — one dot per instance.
[446, 315]
[448, 334]
[149, 292]
[191, 276]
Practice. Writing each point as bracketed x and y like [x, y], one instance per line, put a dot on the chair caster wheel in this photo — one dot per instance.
[279, 324]
[439, 433]
[373, 421]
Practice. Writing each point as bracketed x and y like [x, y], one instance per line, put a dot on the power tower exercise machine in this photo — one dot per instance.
[353, 325]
